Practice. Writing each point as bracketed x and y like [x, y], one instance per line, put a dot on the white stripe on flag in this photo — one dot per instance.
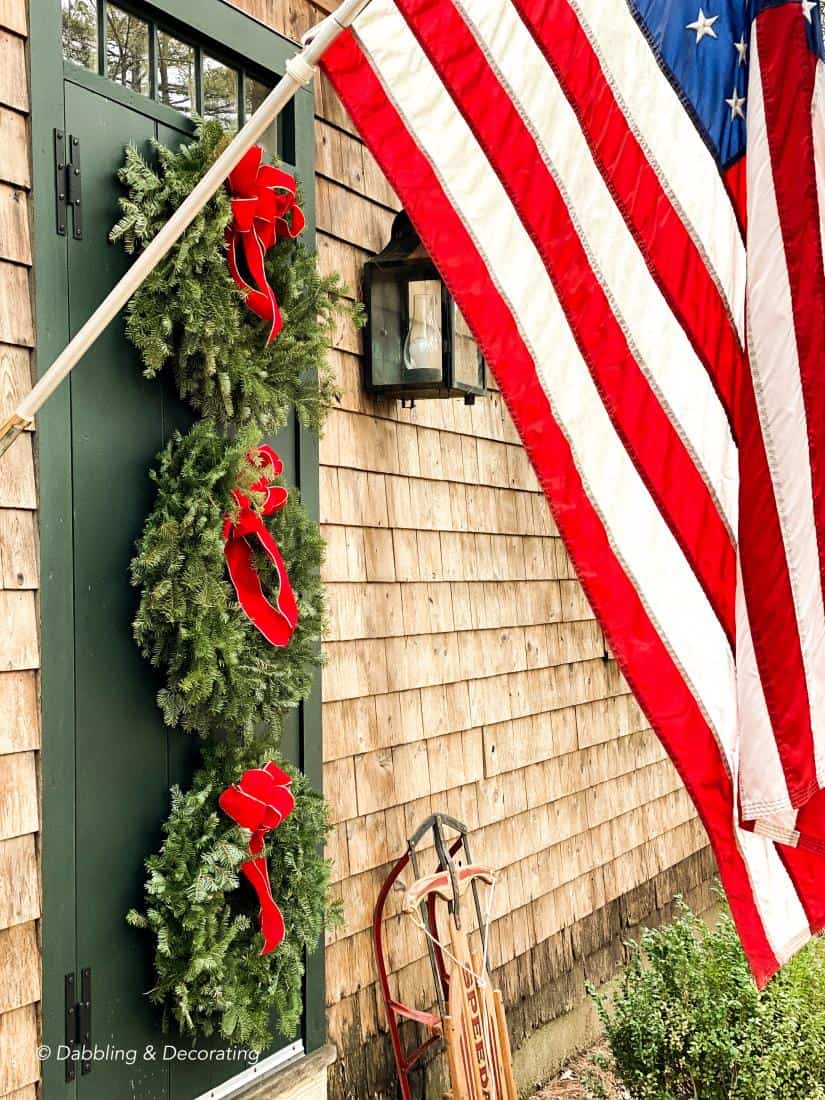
[639, 535]
[760, 768]
[786, 925]
[784, 920]
[672, 142]
[818, 112]
[779, 398]
[664, 352]
[666, 583]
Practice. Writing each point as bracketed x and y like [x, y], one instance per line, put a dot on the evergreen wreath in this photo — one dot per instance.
[223, 680]
[211, 977]
[189, 315]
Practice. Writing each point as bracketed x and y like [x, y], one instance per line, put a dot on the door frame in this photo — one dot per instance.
[238, 32]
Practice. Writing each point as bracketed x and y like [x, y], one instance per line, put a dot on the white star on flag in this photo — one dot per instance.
[807, 7]
[741, 48]
[736, 102]
[704, 25]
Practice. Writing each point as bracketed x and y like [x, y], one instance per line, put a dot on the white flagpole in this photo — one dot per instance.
[300, 70]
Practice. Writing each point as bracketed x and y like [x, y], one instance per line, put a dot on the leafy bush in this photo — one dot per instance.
[687, 1022]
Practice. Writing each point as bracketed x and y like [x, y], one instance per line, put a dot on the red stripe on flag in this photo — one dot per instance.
[771, 608]
[643, 657]
[736, 181]
[765, 574]
[805, 870]
[677, 264]
[669, 251]
[656, 449]
[784, 49]
[810, 823]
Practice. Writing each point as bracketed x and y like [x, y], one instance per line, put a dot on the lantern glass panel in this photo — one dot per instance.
[423, 348]
[386, 334]
[466, 358]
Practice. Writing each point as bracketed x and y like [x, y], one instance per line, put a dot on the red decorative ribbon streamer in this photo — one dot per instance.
[260, 802]
[263, 210]
[276, 621]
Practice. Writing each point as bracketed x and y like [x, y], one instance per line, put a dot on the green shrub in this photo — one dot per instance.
[687, 1022]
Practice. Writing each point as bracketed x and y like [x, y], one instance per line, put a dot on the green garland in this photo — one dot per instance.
[222, 679]
[189, 315]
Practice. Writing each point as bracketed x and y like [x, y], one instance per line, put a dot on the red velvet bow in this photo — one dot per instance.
[263, 209]
[276, 622]
[260, 802]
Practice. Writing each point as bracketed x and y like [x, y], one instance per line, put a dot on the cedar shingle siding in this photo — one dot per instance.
[465, 670]
[19, 639]
[466, 673]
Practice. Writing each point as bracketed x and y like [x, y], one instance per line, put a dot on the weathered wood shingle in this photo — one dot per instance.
[466, 673]
[465, 670]
[20, 978]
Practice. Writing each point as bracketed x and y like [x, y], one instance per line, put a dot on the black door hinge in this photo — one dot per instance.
[68, 180]
[79, 1024]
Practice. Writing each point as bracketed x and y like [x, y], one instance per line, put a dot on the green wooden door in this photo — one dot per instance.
[108, 759]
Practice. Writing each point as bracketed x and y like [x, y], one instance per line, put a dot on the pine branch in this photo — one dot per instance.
[189, 315]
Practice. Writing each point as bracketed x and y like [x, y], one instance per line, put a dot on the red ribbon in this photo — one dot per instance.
[263, 210]
[276, 622]
[260, 802]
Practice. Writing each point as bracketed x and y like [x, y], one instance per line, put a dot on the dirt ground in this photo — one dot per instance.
[567, 1086]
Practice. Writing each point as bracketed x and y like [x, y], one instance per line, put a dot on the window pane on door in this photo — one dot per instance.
[176, 73]
[255, 92]
[220, 92]
[80, 32]
[127, 49]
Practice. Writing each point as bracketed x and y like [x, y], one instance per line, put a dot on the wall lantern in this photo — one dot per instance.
[418, 344]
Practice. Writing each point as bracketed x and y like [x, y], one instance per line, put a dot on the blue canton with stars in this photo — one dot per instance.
[705, 50]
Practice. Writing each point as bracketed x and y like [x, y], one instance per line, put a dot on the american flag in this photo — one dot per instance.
[624, 198]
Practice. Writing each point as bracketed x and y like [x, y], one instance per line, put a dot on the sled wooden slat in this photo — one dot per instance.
[504, 1046]
[478, 1044]
[458, 1091]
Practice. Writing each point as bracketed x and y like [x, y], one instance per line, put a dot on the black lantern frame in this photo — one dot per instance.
[388, 278]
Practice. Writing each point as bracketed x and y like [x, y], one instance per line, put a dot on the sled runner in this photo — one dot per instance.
[469, 1016]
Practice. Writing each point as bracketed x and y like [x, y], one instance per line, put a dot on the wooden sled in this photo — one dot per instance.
[469, 1016]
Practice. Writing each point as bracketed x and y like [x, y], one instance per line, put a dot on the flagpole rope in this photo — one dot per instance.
[299, 71]
[480, 979]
